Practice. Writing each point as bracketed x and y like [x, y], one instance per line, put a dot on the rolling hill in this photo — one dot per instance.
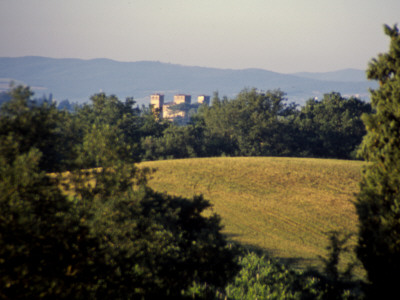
[285, 206]
[77, 79]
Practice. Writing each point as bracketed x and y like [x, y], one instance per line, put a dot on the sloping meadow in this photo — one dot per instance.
[284, 206]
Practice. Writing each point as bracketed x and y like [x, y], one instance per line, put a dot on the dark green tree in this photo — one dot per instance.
[219, 138]
[254, 123]
[263, 123]
[150, 124]
[46, 249]
[110, 131]
[378, 203]
[176, 142]
[28, 124]
[331, 127]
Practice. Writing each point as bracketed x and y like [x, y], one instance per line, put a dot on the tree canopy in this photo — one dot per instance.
[378, 203]
[331, 127]
[259, 123]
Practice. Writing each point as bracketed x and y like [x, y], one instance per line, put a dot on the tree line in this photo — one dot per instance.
[263, 124]
[252, 124]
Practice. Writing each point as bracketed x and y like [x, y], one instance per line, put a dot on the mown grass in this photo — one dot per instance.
[285, 206]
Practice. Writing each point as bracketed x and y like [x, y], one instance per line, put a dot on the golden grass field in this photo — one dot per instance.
[285, 206]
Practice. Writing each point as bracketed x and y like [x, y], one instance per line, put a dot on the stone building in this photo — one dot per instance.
[177, 109]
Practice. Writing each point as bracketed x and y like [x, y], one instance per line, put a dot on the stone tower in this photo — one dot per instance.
[157, 101]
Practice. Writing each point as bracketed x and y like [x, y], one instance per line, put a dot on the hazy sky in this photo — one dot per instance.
[278, 35]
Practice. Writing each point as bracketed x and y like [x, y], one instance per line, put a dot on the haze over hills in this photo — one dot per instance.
[77, 79]
[346, 75]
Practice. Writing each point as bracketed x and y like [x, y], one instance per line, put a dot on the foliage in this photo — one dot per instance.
[378, 203]
[261, 278]
[252, 124]
[264, 278]
[331, 127]
[155, 245]
[25, 124]
[176, 142]
[262, 124]
[45, 248]
[110, 131]
[150, 125]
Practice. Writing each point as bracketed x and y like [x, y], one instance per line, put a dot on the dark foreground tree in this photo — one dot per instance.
[156, 245]
[46, 250]
[378, 203]
[109, 239]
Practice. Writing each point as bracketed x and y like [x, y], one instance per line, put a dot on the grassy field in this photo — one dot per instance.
[285, 206]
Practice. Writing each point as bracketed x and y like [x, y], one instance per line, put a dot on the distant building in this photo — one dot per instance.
[166, 110]
[170, 113]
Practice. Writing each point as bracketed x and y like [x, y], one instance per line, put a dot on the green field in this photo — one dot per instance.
[285, 206]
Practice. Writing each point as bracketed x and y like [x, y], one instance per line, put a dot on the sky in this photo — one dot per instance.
[278, 35]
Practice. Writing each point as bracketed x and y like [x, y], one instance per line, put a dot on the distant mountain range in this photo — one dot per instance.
[77, 79]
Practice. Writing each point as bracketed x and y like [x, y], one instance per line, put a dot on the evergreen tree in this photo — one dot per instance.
[378, 203]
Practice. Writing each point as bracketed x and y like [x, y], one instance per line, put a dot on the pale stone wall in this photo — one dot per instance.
[157, 101]
[178, 99]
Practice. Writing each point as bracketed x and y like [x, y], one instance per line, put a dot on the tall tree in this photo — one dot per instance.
[378, 203]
